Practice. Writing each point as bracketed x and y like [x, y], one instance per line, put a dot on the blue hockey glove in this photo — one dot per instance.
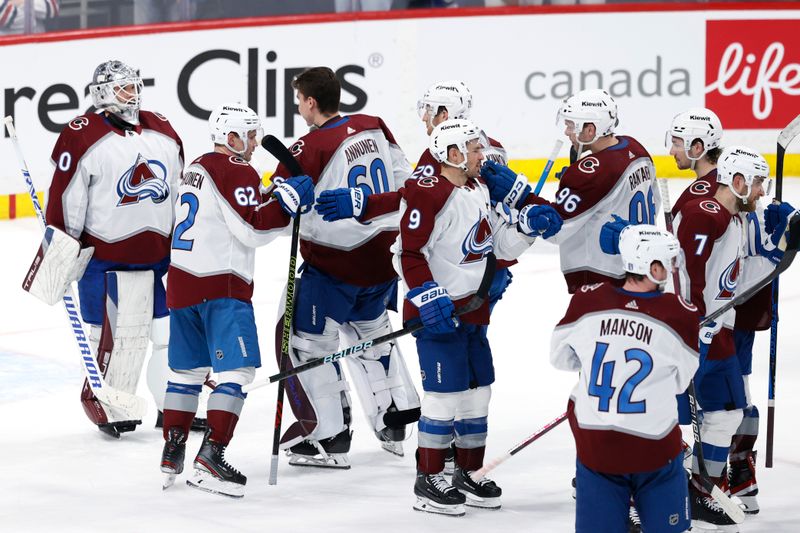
[295, 194]
[776, 218]
[707, 333]
[609, 234]
[337, 204]
[435, 307]
[505, 185]
[560, 173]
[536, 220]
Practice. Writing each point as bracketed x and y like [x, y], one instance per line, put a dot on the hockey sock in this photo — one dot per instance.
[430, 460]
[470, 442]
[715, 459]
[470, 458]
[746, 434]
[180, 406]
[224, 407]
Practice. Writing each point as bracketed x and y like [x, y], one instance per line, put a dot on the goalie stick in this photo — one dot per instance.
[275, 147]
[134, 406]
[785, 137]
[474, 303]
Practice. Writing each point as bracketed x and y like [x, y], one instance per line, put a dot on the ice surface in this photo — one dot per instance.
[60, 474]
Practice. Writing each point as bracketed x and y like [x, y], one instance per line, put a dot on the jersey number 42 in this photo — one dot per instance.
[602, 376]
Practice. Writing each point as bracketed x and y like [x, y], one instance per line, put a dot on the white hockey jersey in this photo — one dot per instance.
[115, 189]
[634, 352]
[445, 233]
[221, 219]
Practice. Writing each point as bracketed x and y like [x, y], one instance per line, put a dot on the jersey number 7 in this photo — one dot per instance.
[603, 389]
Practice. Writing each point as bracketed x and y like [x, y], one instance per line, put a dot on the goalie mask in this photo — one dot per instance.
[746, 162]
[453, 133]
[642, 244]
[593, 106]
[117, 88]
[234, 118]
[693, 124]
[453, 95]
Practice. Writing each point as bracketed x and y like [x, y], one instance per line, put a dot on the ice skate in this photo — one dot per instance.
[484, 493]
[327, 453]
[742, 481]
[212, 473]
[392, 440]
[707, 515]
[634, 523]
[436, 495]
[172, 456]
[115, 429]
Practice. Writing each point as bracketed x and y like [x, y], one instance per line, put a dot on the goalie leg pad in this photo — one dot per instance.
[158, 365]
[381, 377]
[59, 261]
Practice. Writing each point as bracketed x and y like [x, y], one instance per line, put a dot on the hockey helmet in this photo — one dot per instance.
[593, 106]
[641, 244]
[746, 162]
[453, 132]
[453, 95]
[695, 123]
[236, 118]
[109, 90]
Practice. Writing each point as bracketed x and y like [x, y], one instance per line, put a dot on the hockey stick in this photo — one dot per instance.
[282, 154]
[497, 461]
[134, 406]
[735, 512]
[474, 303]
[548, 167]
[785, 137]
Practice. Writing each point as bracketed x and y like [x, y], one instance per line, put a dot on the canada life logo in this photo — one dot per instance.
[753, 72]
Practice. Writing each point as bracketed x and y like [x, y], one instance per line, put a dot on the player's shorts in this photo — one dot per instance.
[321, 296]
[455, 362]
[719, 385]
[743, 339]
[661, 498]
[502, 279]
[218, 333]
[92, 288]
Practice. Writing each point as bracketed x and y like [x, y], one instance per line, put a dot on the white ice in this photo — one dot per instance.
[58, 473]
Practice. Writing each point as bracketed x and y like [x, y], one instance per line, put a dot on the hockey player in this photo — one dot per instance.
[113, 189]
[347, 286]
[221, 219]
[447, 229]
[693, 140]
[712, 233]
[635, 348]
[617, 176]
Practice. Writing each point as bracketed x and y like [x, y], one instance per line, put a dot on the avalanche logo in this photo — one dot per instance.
[727, 281]
[141, 182]
[478, 242]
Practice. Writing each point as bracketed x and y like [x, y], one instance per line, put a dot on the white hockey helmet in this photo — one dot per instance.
[695, 123]
[641, 244]
[593, 106]
[456, 132]
[108, 90]
[749, 163]
[453, 95]
[236, 118]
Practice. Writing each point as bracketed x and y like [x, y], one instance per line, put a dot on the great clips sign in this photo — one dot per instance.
[753, 72]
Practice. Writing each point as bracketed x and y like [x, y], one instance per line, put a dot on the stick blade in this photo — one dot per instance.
[729, 506]
[788, 133]
[274, 146]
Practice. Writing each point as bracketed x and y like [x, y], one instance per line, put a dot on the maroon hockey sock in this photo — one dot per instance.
[470, 458]
[181, 419]
[430, 460]
[741, 445]
[221, 424]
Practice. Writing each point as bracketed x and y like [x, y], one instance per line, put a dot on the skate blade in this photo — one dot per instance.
[491, 504]
[338, 461]
[702, 526]
[749, 504]
[395, 448]
[427, 506]
[208, 483]
[169, 480]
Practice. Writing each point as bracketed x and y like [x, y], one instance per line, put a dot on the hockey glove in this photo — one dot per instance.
[435, 307]
[536, 220]
[509, 216]
[337, 204]
[776, 218]
[295, 194]
[707, 333]
[609, 234]
[505, 185]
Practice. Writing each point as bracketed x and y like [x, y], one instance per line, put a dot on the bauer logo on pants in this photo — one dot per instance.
[753, 72]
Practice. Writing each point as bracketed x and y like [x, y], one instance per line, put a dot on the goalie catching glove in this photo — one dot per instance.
[59, 261]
